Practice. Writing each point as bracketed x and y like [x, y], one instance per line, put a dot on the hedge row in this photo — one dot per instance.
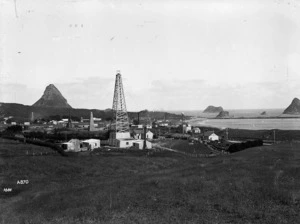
[241, 146]
[60, 136]
[39, 143]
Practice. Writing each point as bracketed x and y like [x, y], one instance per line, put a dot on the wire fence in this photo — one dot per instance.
[30, 154]
[196, 155]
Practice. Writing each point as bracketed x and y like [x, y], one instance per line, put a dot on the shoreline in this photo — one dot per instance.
[270, 123]
[267, 135]
[242, 118]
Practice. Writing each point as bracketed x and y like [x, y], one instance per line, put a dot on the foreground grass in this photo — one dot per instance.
[258, 185]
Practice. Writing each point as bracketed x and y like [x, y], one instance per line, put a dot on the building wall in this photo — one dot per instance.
[213, 137]
[92, 144]
[149, 135]
[140, 145]
[113, 137]
[149, 145]
[125, 143]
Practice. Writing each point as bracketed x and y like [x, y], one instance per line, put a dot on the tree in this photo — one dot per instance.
[14, 129]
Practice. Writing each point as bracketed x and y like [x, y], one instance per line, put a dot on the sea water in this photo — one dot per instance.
[247, 119]
[252, 124]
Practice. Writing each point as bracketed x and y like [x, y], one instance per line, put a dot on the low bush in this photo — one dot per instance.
[241, 146]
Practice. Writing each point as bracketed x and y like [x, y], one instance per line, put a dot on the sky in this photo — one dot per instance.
[173, 55]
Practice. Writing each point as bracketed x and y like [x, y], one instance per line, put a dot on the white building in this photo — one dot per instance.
[114, 138]
[91, 144]
[197, 130]
[130, 142]
[211, 136]
[187, 128]
[140, 144]
[149, 135]
[72, 145]
[139, 134]
[76, 145]
[53, 122]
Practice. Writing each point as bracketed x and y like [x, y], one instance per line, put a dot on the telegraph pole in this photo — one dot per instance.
[182, 118]
[227, 134]
[145, 141]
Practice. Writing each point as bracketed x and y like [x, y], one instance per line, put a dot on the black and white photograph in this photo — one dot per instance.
[149, 111]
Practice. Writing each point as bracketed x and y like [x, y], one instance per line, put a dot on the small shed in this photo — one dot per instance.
[72, 145]
[149, 135]
[211, 136]
[187, 128]
[125, 142]
[91, 144]
[140, 144]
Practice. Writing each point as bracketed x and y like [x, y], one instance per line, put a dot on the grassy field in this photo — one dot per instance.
[18, 148]
[185, 146]
[257, 185]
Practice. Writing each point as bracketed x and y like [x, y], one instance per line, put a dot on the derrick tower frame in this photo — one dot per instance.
[120, 122]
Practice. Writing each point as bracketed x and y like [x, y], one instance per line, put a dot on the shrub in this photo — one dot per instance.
[241, 146]
[14, 129]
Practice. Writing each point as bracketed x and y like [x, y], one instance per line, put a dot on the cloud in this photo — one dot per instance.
[198, 94]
